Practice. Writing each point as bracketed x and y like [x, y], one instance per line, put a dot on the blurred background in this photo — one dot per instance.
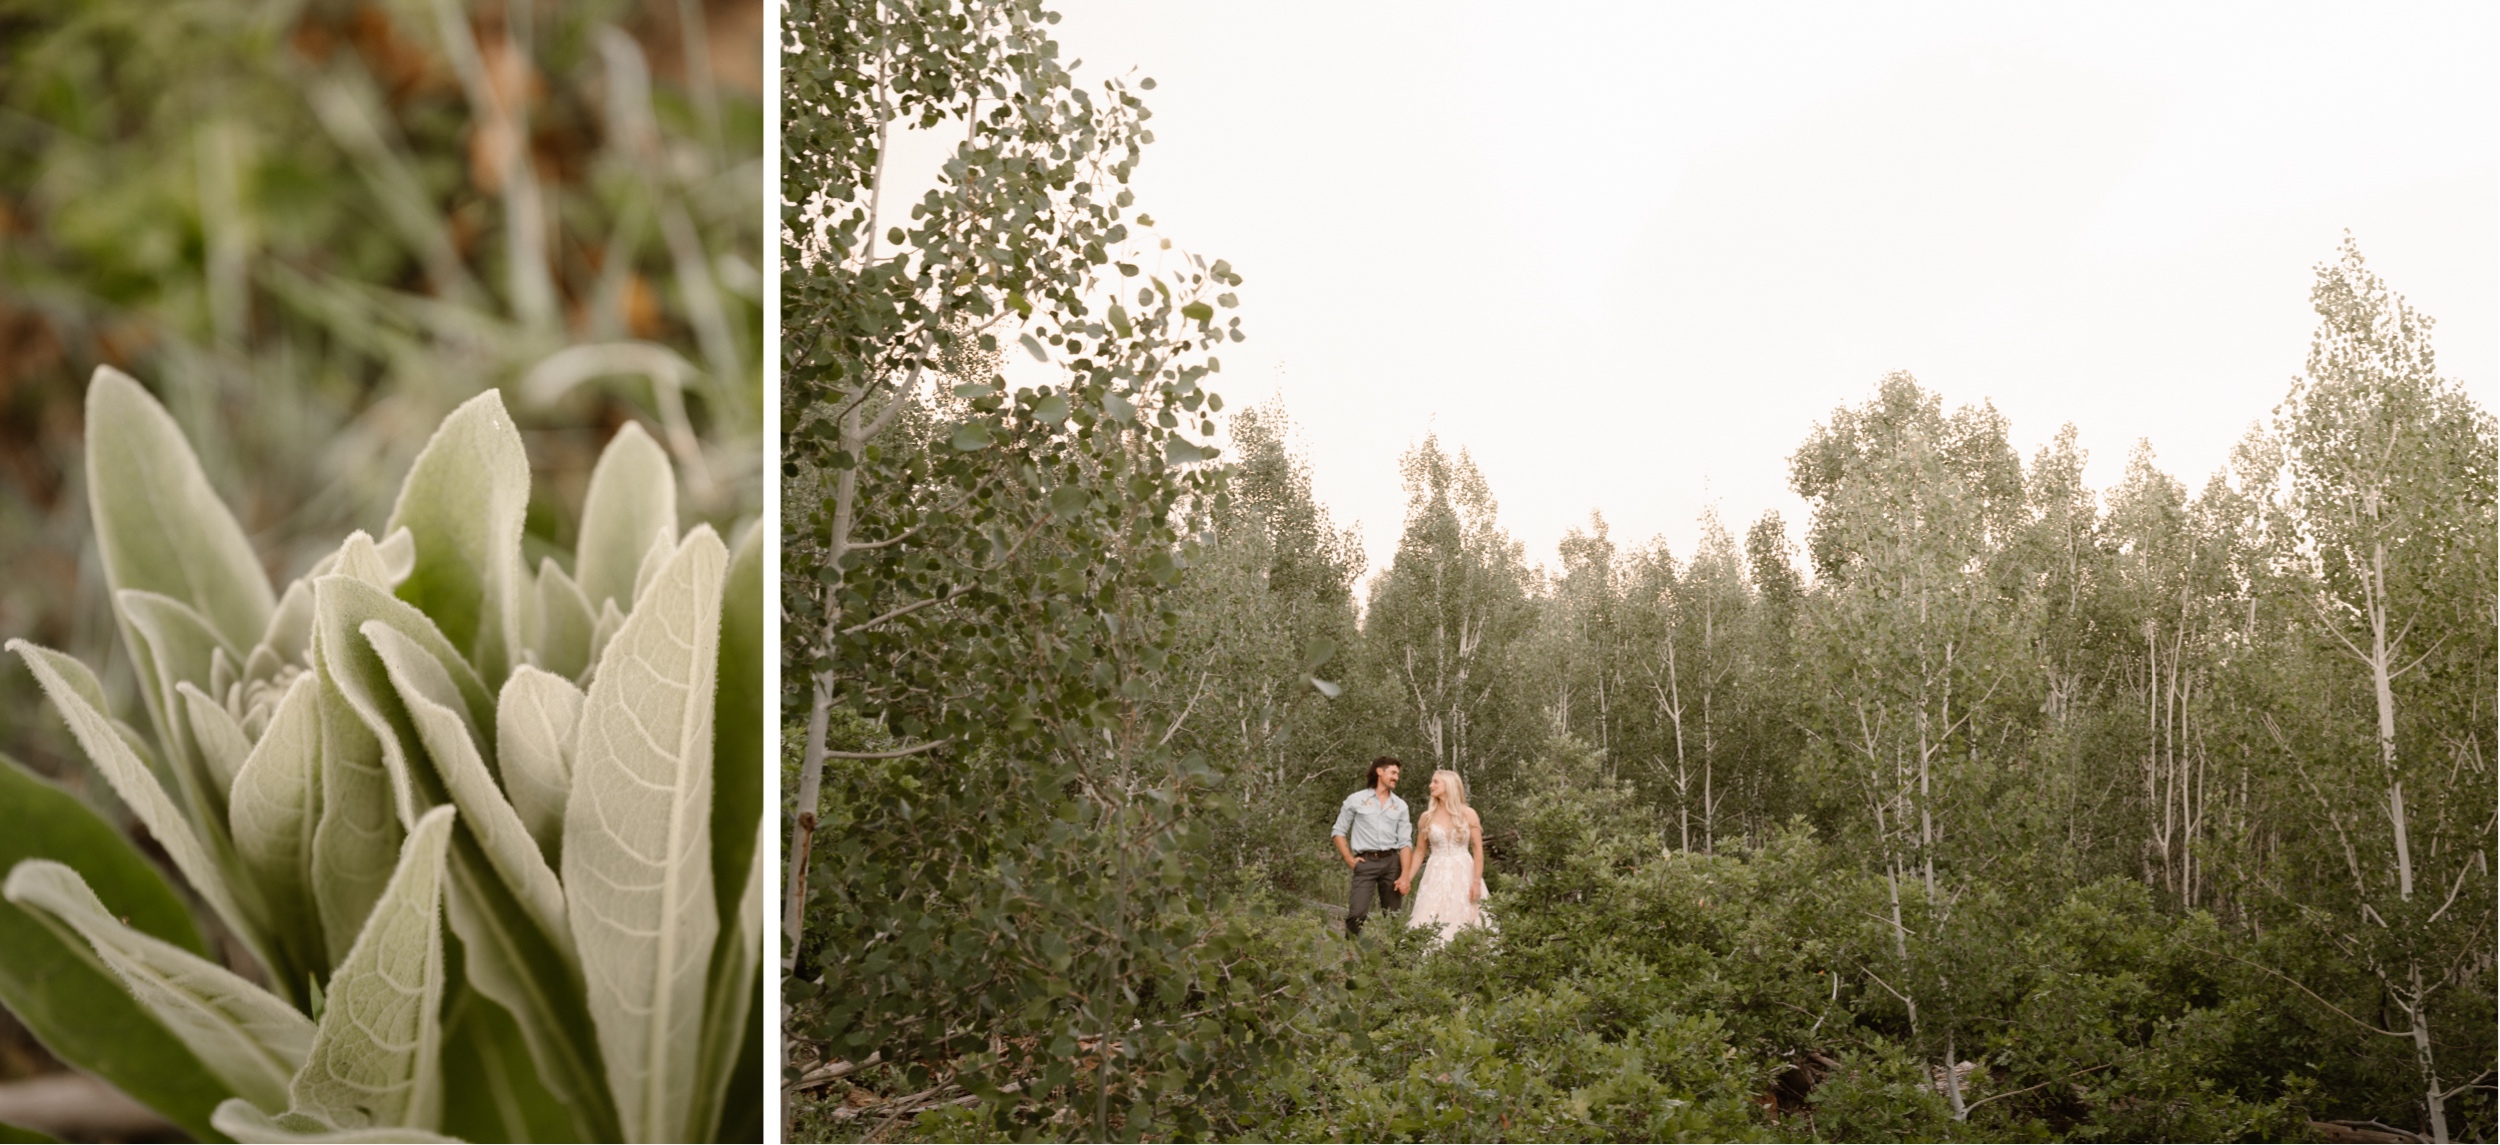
[313, 227]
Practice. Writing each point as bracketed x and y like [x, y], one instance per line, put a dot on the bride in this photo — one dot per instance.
[1451, 891]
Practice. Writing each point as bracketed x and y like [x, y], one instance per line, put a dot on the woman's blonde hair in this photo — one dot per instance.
[1458, 783]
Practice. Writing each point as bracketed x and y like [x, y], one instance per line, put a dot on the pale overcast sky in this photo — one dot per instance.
[1627, 256]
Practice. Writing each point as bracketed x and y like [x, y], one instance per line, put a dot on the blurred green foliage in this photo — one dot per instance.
[297, 222]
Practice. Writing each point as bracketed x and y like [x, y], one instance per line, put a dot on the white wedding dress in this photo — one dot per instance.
[1449, 872]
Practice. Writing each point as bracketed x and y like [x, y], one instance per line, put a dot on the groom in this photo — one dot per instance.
[1376, 838]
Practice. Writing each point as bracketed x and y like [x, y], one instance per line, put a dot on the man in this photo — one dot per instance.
[1376, 838]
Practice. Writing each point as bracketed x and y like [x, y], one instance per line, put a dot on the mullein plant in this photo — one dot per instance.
[481, 841]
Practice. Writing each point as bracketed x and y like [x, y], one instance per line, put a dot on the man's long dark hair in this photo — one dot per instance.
[1371, 779]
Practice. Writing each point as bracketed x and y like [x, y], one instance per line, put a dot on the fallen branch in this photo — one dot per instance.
[2028, 1088]
[897, 1108]
[831, 1072]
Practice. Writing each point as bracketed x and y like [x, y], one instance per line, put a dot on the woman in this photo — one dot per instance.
[1450, 892]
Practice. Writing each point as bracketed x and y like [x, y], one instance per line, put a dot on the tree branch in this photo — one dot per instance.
[1185, 710]
[2296, 984]
[897, 753]
[907, 610]
[2028, 1088]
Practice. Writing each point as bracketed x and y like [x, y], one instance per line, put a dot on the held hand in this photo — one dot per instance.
[1401, 884]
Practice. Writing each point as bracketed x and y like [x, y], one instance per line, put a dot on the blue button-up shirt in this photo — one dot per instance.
[1369, 824]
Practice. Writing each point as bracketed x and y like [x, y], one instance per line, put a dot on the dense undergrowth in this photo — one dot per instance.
[1631, 992]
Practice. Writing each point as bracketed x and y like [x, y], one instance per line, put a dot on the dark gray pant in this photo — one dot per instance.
[1375, 877]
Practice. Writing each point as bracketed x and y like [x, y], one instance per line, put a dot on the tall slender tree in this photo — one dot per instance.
[1443, 620]
[2391, 481]
[1912, 638]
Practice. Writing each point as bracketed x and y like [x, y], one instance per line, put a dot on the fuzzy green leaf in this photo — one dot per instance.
[632, 498]
[238, 1119]
[290, 627]
[535, 721]
[563, 620]
[432, 703]
[463, 504]
[159, 525]
[496, 1094]
[738, 725]
[342, 608]
[510, 960]
[273, 809]
[360, 558]
[663, 546]
[736, 961]
[59, 990]
[73, 689]
[174, 644]
[377, 1057]
[250, 1039]
[637, 847]
[357, 835]
[221, 741]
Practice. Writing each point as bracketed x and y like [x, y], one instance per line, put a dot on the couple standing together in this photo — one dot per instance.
[1377, 839]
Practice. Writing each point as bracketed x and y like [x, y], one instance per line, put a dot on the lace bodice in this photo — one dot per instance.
[1442, 897]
